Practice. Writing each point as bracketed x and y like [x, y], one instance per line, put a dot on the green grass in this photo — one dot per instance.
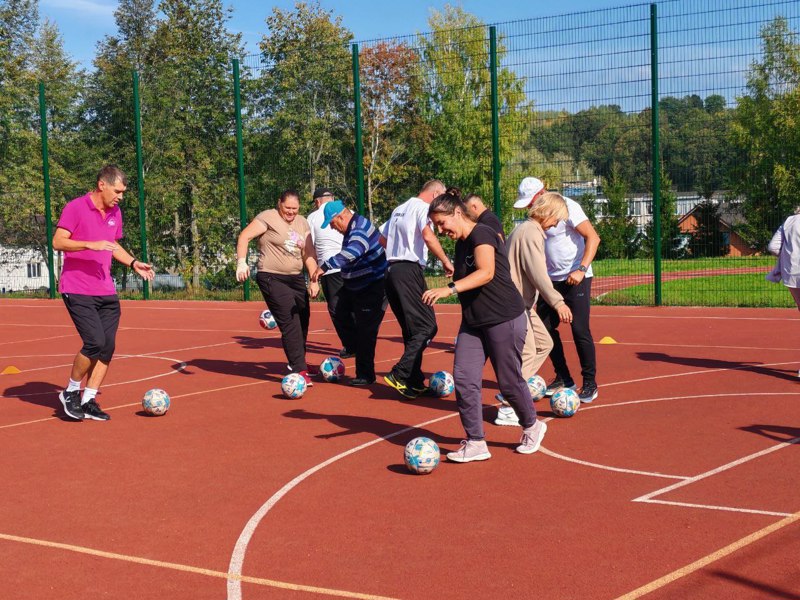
[745, 290]
[639, 266]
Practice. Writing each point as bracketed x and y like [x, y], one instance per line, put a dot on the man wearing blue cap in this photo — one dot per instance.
[362, 261]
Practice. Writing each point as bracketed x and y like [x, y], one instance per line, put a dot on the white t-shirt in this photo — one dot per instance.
[403, 232]
[327, 241]
[564, 245]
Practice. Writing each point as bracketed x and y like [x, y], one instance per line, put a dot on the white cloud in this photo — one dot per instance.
[86, 7]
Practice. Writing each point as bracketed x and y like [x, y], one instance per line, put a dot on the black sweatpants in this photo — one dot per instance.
[97, 319]
[343, 322]
[367, 307]
[287, 299]
[578, 298]
[405, 285]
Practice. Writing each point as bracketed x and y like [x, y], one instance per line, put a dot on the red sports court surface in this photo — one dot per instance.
[680, 481]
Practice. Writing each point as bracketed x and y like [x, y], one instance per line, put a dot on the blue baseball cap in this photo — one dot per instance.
[330, 210]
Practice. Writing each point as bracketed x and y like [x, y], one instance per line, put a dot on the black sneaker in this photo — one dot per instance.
[400, 386]
[588, 393]
[422, 390]
[360, 381]
[345, 353]
[556, 385]
[92, 410]
[71, 402]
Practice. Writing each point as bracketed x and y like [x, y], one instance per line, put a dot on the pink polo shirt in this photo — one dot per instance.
[88, 272]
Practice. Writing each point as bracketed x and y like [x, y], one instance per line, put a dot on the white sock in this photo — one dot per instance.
[88, 394]
[73, 386]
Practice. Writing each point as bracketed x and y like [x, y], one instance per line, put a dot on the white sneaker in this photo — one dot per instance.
[470, 450]
[532, 438]
[506, 416]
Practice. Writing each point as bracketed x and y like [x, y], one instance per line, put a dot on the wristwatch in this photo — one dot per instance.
[453, 290]
[583, 269]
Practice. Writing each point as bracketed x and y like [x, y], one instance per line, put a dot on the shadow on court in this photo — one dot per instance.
[714, 363]
[40, 393]
[779, 433]
[273, 371]
[768, 591]
[256, 343]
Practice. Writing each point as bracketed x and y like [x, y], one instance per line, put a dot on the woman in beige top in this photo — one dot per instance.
[284, 248]
[528, 266]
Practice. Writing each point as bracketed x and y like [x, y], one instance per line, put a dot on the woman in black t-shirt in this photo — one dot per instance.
[493, 325]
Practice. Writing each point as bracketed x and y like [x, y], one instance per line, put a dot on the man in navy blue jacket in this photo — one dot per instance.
[362, 261]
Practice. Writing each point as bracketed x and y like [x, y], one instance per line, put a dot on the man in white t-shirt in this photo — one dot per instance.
[328, 243]
[408, 236]
[569, 248]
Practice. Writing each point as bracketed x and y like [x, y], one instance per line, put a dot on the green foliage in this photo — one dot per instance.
[767, 133]
[707, 239]
[616, 229]
[672, 240]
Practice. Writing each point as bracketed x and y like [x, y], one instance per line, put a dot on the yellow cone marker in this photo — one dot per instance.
[607, 340]
[10, 370]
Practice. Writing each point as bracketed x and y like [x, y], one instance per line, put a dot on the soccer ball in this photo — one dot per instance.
[537, 386]
[421, 455]
[565, 402]
[441, 383]
[332, 368]
[155, 402]
[294, 385]
[266, 320]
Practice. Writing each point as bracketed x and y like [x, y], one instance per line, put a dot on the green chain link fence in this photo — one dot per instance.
[583, 101]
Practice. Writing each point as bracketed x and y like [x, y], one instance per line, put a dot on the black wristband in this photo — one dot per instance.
[133, 262]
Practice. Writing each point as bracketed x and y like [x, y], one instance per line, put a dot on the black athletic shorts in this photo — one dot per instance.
[96, 318]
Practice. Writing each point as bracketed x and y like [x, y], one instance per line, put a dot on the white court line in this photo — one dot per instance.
[751, 511]
[552, 454]
[53, 337]
[702, 372]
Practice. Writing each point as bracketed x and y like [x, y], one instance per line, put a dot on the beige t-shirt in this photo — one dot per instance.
[283, 246]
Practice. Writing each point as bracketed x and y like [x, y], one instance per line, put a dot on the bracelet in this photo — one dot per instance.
[133, 262]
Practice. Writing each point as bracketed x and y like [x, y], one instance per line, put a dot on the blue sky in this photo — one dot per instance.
[84, 22]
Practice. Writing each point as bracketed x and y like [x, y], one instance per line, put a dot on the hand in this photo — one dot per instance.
[102, 245]
[575, 277]
[313, 288]
[242, 270]
[144, 270]
[448, 268]
[430, 297]
[317, 274]
[564, 313]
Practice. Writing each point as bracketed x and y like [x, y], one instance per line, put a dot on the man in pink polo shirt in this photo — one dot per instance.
[87, 233]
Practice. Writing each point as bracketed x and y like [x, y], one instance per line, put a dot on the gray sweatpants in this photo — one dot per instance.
[502, 344]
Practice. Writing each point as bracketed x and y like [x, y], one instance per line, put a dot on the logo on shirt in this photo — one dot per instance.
[112, 223]
[294, 243]
[470, 260]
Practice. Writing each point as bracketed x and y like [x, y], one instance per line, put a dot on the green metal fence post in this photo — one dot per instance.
[237, 107]
[137, 121]
[358, 134]
[656, 153]
[498, 208]
[48, 214]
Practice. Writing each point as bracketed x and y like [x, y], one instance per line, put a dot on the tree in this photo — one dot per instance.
[706, 238]
[671, 237]
[303, 102]
[767, 135]
[390, 115]
[617, 229]
[456, 101]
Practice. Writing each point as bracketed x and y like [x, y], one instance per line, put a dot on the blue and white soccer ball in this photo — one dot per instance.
[421, 455]
[155, 402]
[294, 385]
[332, 369]
[537, 386]
[565, 402]
[442, 383]
[266, 320]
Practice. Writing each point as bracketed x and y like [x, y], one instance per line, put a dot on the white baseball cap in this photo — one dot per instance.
[527, 191]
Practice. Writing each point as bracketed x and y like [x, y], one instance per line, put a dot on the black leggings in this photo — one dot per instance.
[287, 298]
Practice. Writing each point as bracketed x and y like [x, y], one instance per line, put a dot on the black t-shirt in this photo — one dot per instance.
[489, 218]
[496, 302]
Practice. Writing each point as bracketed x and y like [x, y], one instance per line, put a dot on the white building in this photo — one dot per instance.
[22, 269]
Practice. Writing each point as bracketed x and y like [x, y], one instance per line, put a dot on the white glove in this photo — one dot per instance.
[242, 270]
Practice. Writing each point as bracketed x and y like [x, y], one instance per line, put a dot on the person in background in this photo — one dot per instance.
[407, 238]
[362, 261]
[526, 259]
[570, 248]
[284, 248]
[88, 233]
[327, 243]
[477, 211]
[493, 325]
[785, 244]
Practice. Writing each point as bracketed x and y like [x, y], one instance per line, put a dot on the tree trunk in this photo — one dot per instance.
[195, 242]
